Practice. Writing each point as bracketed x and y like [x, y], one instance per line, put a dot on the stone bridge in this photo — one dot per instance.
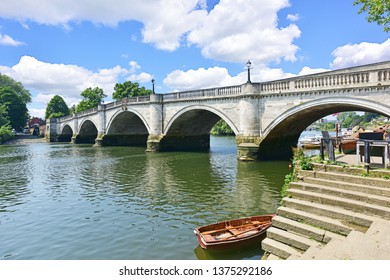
[267, 118]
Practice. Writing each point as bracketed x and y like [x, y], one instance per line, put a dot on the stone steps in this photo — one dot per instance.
[349, 204]
[342, 193]
[322, 211]
[279, 249]
[381, 191]
[347, 178]
[321, 222]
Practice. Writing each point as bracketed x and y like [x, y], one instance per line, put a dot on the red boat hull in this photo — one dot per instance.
[232, 233]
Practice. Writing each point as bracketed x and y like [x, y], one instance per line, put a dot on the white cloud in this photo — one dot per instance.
[165, 21]
[234, 31]
[39, 113]
[142, 77]
[237, 30]
[6, 40]
[49, 79]
[211, 77]
[295, 17]
[307, 70]
[359, 54]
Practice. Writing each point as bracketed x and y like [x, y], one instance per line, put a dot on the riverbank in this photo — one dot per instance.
[333, 212]
[23, 139]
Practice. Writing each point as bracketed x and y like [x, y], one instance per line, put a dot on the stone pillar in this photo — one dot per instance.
[101, 125]
[248, 140]
[156, 123]
[51, 130]
[76, 129]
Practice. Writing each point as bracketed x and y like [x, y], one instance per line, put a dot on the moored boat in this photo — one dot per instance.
[311, 142]
[233, 232]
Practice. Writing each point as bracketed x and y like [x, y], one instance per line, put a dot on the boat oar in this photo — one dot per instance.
[232, 227]
[237, 234]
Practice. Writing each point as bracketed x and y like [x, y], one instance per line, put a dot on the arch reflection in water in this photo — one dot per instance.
[122, 203]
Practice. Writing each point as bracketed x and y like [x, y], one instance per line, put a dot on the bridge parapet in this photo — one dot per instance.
[211, 92]
[338, 79]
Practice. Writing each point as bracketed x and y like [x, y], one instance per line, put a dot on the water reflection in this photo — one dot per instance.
[62, 201]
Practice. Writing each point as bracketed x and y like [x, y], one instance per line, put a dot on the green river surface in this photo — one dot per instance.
[64, 201]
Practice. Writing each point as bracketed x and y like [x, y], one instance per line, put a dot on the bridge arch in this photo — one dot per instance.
[283, 132]
[87, 132]
[189, 128]
[66, 134]
[126, 128]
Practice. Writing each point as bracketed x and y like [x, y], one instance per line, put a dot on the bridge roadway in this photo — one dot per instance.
[267, 118]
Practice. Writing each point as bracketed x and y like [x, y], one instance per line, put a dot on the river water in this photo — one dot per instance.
[64, 201]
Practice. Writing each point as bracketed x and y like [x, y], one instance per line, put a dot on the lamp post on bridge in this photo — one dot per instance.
[153, 86]
[248, 66]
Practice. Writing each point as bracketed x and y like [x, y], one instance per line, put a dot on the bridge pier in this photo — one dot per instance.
[157, 143]
[248, 147]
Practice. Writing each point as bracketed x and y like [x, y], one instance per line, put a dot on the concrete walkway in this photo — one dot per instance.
[371, 245]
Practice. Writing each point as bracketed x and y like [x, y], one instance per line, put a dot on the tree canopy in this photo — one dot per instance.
[129, 89]
[3, 115]
[91, 99]
[18, 88]
[56, 108]
[16, 108]
[378, 11]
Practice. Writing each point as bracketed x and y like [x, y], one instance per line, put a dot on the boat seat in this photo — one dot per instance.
[234, 231]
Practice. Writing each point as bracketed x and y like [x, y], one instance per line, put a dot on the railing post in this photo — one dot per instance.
[367, 160]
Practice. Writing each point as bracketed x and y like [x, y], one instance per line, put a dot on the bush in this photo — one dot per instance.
[5, 133]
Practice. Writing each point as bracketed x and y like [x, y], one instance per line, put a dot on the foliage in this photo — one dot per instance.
[129, 89]
[16, 108]
[72, 110]
[5, 133]
[378, 11]
[3, 115]
[18, 88]
[290, 177]
[351, 119]
[56, 108]
[221, 128]
[328, 126]
[299, 162]
[302, 160]
[91, 99]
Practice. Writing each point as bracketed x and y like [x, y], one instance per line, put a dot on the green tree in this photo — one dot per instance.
[16, 109]
[56, 108]
[3, 115]
[91, 99]
[221, 128]
[24, 94]
[378, 11]
[129, 89]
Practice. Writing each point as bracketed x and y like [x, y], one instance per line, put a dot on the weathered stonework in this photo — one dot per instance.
[266, 118]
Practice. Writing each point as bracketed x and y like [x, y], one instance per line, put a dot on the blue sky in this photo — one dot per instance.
[63, 47]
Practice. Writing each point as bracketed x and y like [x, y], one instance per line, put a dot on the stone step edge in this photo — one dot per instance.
[342, 177]
[302, 229]
[321, 222]
[354, 195]
[329, 211]
[349, 204]
[291, 239]
[279, 249]
[349, 186]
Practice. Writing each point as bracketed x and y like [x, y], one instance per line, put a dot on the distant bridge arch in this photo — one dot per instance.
[266, 117]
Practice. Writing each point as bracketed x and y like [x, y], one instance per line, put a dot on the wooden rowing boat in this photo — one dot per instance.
[233, 232]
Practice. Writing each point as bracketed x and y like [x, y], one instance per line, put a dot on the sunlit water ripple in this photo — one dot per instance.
[62, 201]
